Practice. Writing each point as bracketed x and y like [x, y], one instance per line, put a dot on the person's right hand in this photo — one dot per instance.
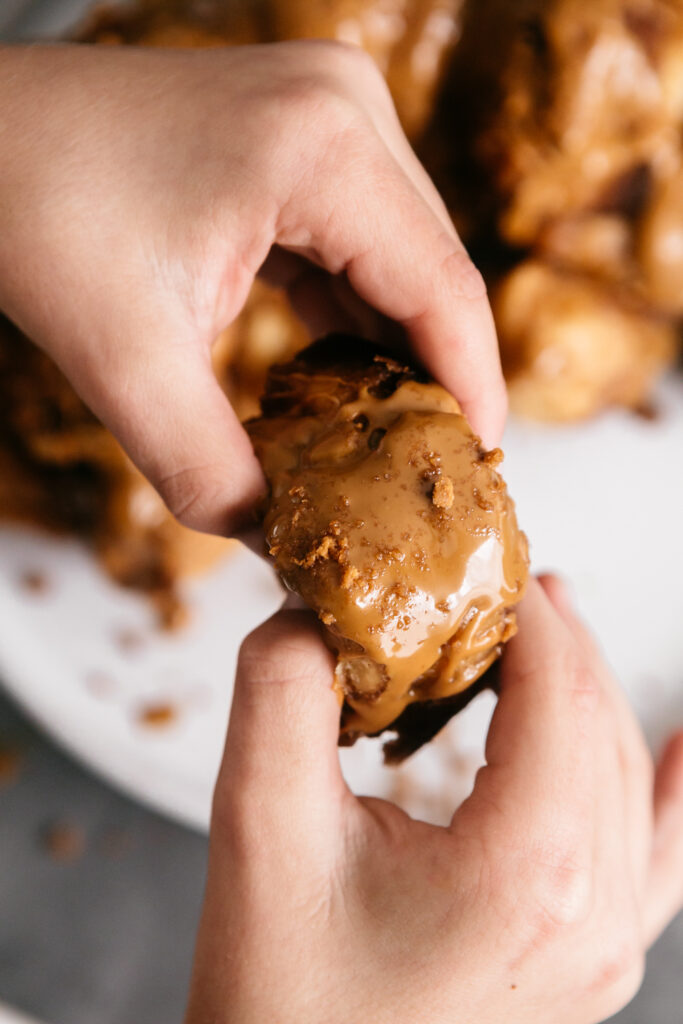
[535, 905]
[140, 193]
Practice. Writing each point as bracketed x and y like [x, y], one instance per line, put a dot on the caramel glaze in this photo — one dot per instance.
[390, 520]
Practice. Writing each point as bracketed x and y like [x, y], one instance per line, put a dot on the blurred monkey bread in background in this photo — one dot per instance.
[553, 130]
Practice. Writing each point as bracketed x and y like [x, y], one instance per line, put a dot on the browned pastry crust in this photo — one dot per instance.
[558, 129]
[567, 156]
[64, 471]
[176, 23]
[575, 346]
[589, 111]
[409, 39]
[68, 474]
[390, 520]
[421, 721]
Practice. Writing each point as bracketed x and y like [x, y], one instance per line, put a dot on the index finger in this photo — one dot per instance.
[364, 216]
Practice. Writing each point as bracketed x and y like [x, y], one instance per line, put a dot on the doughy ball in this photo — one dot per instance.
[391, 521]
[570, 348]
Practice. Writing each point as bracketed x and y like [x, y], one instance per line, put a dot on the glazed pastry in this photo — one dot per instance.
[574, 151]
[589, 108]
[410, 40]
[391, 521]
[660, 245]
[68, 474]
[571, 346]
[562, 133]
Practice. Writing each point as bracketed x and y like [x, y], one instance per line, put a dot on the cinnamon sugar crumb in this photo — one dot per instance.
[492, 458]
[350, 574]
[443, 494]
[10, 764]
[63, 841]
[129, 640]
[483, 503]
[156, 715]
[328, 547]
[319, 552]
[327, 618]
[34, 581]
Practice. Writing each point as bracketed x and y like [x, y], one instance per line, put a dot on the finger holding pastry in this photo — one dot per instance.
[298, 146]
[539, 876]
[390, 519]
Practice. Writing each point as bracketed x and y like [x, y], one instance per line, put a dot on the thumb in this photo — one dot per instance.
[280, 763]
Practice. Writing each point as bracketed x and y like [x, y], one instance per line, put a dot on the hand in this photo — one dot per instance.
[535, 905]
[141, 191]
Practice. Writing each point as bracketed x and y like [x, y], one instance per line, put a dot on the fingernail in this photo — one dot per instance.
[558, 591]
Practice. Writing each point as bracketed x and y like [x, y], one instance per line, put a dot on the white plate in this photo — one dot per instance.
[602, 503]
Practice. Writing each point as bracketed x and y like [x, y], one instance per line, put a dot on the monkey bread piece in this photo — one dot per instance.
[174, 23]
[63, 471]
[590, 108]
[660, 245]
[391, 521]
[266, 331]
[410, 40]
[572, 347]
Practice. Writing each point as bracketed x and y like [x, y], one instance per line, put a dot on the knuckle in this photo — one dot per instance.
[228, 817]
[348, 59]
[334, 86]
[285, 649]
[561, 889]
[241, 835]
[619, 970]
[460, 275]
[318, 99]
[192, 495]
[580, 684]
[261, 656]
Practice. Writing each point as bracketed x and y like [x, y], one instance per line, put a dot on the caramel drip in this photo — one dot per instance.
[389, 519]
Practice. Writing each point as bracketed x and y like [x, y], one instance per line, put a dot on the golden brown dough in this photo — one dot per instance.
[574, 111]
[571, 348]
[660, 245]
[69, 474]
[265, 332]
[175, 23]
[579, 132]
[409, 39]
[590, 108]
[391, 521]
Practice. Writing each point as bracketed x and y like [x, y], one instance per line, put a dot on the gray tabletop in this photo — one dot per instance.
[99, 897]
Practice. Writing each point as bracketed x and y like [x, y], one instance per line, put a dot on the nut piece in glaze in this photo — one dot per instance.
[390, 520]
